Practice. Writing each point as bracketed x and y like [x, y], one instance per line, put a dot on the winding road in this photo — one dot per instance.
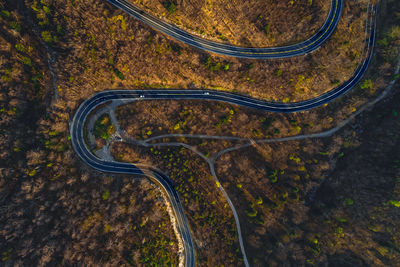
[308, 46]
[77, 124]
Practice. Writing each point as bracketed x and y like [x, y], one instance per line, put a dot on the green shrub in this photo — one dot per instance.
[394, 33]
[47, 36]
[6, 255]
[366, 84]
[273, 176]
[20, 48]
[61, 147]
[383, 42]
[267, 28]
[105, 195]
[16, 26]
[5, 14]
[339, 232]
[251, 213]
[27, 61]
[335, 82]
[46, 9]
[348, 201]
[267, 122]
[103, 127]
[60, 30]
[341, 219]
[54, 133]
[119, 74]
[216, 67]
[395, 203]
[170, 6]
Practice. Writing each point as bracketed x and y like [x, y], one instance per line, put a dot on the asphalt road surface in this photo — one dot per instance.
[78, 122]
[308, 46]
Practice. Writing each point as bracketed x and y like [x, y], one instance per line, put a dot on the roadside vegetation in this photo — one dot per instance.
[312, 201]
[214, 118]
[53, 211]
[320, 201]
[56, 210]
[245, 23]
[103, 127]
[329, 201]
[116, 51]
[210, 218]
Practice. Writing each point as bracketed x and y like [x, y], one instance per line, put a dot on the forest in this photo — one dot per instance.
[316, 200]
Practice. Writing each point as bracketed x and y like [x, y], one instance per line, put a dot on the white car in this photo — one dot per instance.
[141, 96]
[206, 93]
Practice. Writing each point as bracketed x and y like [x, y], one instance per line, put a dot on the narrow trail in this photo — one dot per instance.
[211, 161]
[109, 165]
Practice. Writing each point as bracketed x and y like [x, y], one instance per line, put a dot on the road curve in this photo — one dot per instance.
[77, 138]
[305, 47]
[78, 123]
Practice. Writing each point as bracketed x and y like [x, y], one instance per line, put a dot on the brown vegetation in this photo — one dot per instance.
[85, 219]
[54, 211]
[214, 118]
[293, 208]
[210, 218]
[23, 95]
[290, 210]
[116, 51]
[255, 23]
[295, 204]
